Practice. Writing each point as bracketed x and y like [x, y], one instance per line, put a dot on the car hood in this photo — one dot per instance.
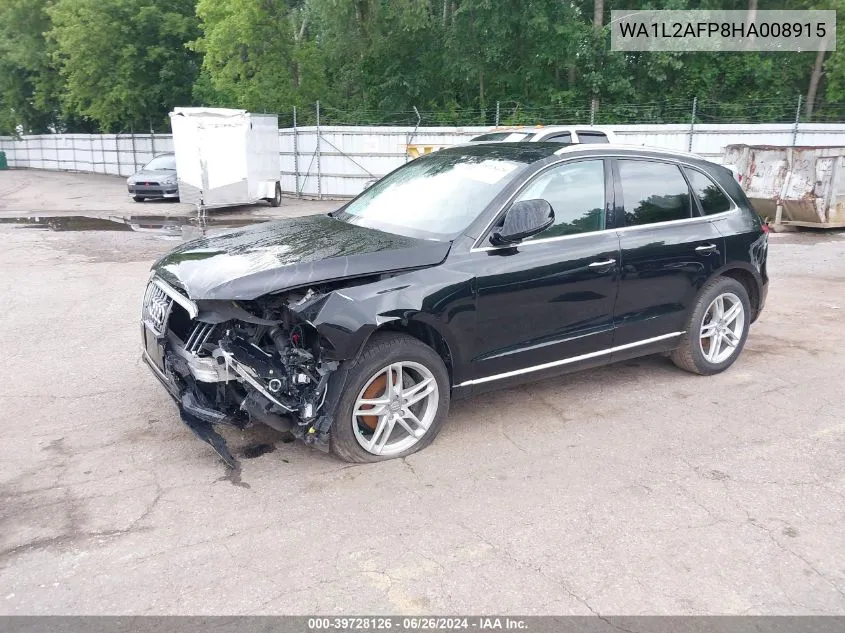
[276, 256]
[152, 175]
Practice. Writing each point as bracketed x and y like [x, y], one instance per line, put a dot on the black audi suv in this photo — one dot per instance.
[476, 267]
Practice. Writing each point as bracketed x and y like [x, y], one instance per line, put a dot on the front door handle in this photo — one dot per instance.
[605, 264]
[706, 249]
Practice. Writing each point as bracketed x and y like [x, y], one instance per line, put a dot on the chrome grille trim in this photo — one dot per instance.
[156, 308]
[159, 298]
[178, 297]
[198, 337]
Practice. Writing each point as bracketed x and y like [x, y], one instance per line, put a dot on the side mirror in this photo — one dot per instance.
[524, 219]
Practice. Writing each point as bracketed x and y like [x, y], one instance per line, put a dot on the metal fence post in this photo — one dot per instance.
[134, 154]
[319, 171]
[497, 114]
[797, 119]
[692, 122]
[117, 151]
[152, 140]
[410, 137]
[592, 111]
[295, 154]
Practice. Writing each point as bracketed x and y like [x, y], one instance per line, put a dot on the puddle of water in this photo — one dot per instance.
[168, 227]
[67, 223]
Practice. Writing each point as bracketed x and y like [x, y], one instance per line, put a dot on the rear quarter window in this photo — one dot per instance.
[709, 194]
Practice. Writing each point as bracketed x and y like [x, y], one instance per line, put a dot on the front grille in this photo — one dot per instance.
[199, 336]
[156, 308]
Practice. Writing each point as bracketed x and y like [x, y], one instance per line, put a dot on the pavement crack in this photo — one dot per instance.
[803, 559]
[511, 440]
[539, 570]
[63, 540]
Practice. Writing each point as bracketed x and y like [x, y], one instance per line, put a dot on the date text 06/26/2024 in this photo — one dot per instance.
[420, 623]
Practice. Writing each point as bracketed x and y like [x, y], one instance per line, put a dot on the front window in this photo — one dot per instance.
[592, 137]
[439, 195]
[163, 162]
[563, 137]
[576, 193]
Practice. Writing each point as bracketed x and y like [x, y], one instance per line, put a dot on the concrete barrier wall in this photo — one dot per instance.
[337, 161]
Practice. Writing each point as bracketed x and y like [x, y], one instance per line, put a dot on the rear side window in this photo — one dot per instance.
[708, 193]
[653, 192]
[592, 137]
[563, 137]
[576, 193]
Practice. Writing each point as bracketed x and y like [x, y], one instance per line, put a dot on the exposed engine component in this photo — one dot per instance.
[267, 369]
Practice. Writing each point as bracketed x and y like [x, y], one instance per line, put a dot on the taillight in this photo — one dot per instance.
[765, 228]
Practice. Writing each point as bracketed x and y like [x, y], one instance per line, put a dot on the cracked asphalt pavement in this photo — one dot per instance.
[631, 489]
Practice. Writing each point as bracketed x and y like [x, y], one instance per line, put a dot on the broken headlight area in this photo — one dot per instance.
[241, 364]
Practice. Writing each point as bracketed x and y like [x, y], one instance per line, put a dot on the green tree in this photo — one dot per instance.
[834, 66]
[29, 85]
[124, 62]
[257, 55]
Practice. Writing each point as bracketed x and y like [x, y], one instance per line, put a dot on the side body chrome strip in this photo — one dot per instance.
[566, 361]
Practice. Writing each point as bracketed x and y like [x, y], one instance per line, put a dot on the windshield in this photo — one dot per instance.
[438, 195]
[508, 137]
[165, 161]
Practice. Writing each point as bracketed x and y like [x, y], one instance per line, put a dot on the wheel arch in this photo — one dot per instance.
[425, 332]
[749, 281]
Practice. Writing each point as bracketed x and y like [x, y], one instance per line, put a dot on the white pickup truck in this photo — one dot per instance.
[566, 134]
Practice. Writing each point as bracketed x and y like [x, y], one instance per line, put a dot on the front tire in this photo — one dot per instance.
[716, 329]
[395, 402]
[138, 198]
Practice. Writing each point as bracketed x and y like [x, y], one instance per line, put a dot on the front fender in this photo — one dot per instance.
[346, 317]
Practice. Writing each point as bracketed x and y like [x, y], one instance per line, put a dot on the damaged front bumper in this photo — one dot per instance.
[236, 373]
[203, 429]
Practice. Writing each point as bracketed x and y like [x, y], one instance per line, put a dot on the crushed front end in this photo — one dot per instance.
[240, 363]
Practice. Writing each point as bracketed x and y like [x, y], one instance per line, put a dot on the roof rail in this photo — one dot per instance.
[581, 147]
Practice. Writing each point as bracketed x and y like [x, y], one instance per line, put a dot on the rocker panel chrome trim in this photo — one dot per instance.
[566, 361]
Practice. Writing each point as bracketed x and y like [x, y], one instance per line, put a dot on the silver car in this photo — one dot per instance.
[156, 179]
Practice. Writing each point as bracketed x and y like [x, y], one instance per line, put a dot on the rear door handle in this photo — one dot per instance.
[706, 249]
[606, 263]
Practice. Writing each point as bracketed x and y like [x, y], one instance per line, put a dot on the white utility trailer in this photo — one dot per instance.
[226, 157]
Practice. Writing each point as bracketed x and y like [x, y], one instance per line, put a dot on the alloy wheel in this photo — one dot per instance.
[395, 408]
[722, 328]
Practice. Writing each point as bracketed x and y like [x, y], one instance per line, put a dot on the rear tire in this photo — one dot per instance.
[418, 364]
[716, 329]
[276, 200]
[138, 198]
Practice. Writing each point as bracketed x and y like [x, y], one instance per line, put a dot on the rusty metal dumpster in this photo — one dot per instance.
[797, 186]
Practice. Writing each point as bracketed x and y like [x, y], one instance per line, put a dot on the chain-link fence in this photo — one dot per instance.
[694, 110]
[326, 152]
